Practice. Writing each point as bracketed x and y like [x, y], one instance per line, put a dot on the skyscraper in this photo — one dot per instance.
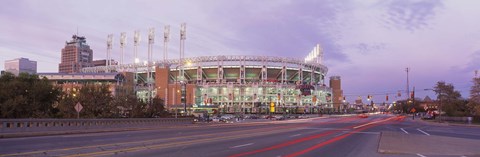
[75, 55]
[336, 85]
[21, 65]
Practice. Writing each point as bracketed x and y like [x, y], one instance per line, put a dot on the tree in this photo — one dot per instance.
[156, 109]
[127, 105]
[26, 96]
[96, 101]
[474, 101]
[450, 99]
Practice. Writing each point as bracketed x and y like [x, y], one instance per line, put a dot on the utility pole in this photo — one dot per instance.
[413, 102]
[408, 85]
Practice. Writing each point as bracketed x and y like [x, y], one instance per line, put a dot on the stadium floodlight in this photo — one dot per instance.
[123, 42]
[109, 49]
[183, 31]
[136, 41]
[166, 39]
[136, 38]
[151, 40]
[151, 35]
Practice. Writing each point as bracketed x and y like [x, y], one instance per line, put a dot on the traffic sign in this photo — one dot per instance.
[78, 107]
[413, 110]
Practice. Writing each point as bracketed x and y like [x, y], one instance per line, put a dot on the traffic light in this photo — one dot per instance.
[412, 95]
[386, 97]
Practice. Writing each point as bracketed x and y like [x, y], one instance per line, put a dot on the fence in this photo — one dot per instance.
[34, 125]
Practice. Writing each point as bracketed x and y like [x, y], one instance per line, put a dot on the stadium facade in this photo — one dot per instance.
[233, 84]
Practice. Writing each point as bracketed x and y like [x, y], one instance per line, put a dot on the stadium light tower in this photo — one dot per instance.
[109, 51]
[183, 33]
[151, 40]
[123, 42]
[136, 41]
[166, 39]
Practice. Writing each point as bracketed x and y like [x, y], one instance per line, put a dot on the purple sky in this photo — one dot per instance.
[368, 43]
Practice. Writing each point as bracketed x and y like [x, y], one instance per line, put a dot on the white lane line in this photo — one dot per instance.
[295, 135]
[243, 145]
[423, 132]
[420, 155]
[404, 130]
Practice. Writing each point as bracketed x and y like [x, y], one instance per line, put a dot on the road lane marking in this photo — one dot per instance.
[374, 122]
[300, 140]
[319, 145]
[138, 142]
[325, 128]
[164, 139]
[243, 145]
[404, 130]
[176, 144]
[423, 132]
[420, 155]
[374, 133]
[295, 135]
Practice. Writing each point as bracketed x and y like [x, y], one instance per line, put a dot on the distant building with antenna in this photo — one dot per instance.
[76, 55]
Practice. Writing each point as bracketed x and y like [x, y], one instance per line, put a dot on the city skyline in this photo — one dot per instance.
[368, 44]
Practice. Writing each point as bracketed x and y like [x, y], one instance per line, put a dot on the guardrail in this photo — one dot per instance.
[31, 125]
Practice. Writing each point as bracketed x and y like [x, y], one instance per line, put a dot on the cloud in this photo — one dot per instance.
[286, 28]
[409, 15]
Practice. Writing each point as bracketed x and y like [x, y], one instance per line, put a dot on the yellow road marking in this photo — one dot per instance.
[374, 122]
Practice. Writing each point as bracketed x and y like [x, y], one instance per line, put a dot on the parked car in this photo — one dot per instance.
[269, 117]
[279, 117]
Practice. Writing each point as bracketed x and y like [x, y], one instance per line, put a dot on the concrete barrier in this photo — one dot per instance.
[457, 119]
[33, 125]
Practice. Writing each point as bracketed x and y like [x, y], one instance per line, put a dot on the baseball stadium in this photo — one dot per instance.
[232, 84]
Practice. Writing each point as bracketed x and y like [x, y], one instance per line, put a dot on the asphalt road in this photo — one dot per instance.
[330, 137]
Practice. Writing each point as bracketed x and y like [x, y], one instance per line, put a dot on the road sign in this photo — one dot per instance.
[413, 110]
[78, 107]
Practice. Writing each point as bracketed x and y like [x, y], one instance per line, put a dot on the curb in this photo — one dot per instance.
[71, 132]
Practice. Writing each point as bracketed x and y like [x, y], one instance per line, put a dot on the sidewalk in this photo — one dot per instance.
[442, 123]
[400, 143]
